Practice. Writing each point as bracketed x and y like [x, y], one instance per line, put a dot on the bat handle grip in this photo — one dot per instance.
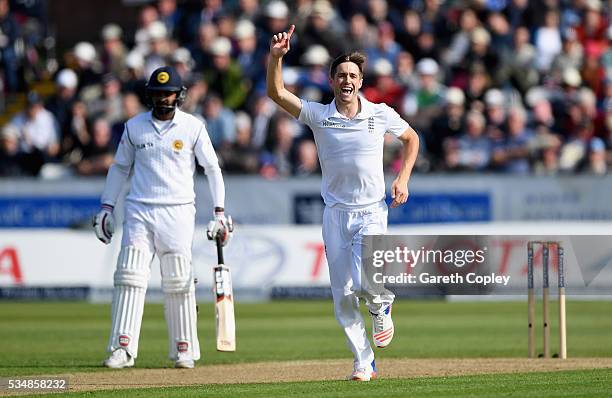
[219, 250]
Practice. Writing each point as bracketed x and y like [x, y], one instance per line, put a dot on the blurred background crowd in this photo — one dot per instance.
[510, 86]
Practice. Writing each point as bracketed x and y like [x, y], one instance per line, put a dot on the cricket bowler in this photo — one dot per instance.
[159, 150]
[349, 134]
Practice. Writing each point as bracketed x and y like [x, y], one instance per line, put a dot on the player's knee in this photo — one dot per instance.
[345, 302]
[132, 267]
[176, 274]
[343, 293]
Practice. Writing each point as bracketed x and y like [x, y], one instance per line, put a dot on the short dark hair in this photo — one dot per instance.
[355, 57]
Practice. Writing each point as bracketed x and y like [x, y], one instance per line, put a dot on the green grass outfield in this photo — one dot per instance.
[50, 338]
[576, 384]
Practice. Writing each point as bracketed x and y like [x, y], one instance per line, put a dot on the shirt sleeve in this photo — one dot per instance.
[395, 124]
[207, 158]
[119, 170]
[306, 116]
[125, 151]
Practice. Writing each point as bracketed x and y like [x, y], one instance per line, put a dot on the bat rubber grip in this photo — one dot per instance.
[219, 251]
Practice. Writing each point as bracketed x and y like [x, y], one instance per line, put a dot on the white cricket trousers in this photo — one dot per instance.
[159, 229]
[343, 231]
[165, 231]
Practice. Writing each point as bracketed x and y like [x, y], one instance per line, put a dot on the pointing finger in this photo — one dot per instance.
[291, 29]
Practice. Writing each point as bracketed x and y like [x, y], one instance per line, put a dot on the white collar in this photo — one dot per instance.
[367, 109]
[175, 119]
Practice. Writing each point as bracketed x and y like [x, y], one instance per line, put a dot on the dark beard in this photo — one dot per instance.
[163, 110]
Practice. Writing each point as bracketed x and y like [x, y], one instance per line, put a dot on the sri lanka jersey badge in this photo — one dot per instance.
[177, 145]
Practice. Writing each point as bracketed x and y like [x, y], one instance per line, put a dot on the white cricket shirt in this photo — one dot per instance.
[351, 150]
[162, 162]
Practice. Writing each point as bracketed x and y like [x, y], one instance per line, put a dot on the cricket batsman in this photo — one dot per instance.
[159, 150]
[349, 134]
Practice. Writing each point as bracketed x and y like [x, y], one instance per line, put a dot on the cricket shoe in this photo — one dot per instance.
[382, 327]
[119, 359]
[363, 374]
[184, 361]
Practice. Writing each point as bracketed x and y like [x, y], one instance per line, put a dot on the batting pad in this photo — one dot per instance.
[131, 277]
[180, 306]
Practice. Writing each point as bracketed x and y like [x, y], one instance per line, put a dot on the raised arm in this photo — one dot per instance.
[279, 46]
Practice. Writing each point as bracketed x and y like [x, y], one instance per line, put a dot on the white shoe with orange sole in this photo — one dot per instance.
[364, 374]
[382, 327]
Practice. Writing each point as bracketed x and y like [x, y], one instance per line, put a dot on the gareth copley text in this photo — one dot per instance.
[471, 278]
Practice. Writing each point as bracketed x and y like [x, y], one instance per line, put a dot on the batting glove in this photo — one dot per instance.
[220, 226]
[104, 224]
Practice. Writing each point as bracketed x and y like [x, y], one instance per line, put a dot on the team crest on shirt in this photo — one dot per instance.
[177, 145]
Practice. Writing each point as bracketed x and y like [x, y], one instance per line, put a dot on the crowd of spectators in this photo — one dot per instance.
[510, 86]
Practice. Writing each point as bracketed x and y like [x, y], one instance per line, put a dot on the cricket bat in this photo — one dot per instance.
[224, 304]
